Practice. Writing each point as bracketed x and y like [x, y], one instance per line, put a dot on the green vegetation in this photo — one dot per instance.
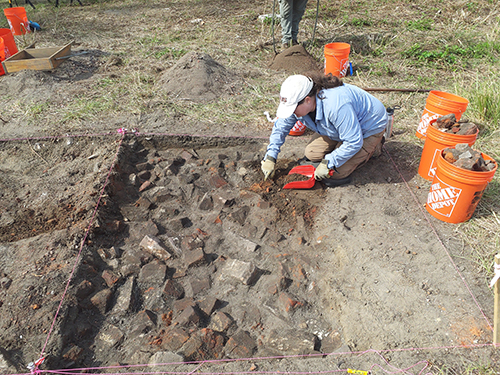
[450, 55]
[85, 108]
[360, 22]
[421, 24]
[37, 110]
[484, 96]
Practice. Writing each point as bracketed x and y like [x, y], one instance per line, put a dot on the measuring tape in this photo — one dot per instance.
[351, 371]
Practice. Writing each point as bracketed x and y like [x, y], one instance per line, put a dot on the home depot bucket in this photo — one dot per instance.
[435, 142]
[440, 103]
[455, 192]
[2, 56]
[18, 20]
[337, 59]
[9, 42]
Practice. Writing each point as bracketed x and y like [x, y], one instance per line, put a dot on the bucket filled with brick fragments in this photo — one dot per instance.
[462, 175]
[444, 132]
[440, 103]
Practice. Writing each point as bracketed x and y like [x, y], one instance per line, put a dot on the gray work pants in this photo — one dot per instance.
[291, 12]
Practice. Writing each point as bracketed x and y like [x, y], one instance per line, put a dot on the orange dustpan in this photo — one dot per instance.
[305, 170]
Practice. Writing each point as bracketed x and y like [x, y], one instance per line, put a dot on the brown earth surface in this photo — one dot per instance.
[238, 272]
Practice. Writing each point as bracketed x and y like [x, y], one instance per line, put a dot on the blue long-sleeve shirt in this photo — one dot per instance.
[346, 113]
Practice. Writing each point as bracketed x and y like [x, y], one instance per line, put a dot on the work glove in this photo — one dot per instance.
[267, 167]
[322, 171]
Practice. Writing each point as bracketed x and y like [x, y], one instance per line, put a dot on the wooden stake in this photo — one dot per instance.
[496, 316]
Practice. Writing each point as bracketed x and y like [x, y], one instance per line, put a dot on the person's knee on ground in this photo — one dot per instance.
[369, 146]
[378, 150]
[342, 173]
[374, 145]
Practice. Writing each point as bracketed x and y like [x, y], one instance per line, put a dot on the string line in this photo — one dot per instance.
[81, 246]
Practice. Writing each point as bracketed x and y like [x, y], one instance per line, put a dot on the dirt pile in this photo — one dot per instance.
[295, 60]
[463, 156]
[449, 124]
[198, 77]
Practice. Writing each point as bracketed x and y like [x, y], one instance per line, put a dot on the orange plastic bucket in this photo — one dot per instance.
[440, 103]
[435, 142]
[298, 129]
[18, 20]
[455, 192]
[9, 42]
[337, 59]
[2, 56]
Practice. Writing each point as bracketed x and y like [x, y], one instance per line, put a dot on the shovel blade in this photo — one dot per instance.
[305, 170]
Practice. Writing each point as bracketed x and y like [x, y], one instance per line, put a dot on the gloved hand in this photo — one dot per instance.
[322, 170]
[267, 167]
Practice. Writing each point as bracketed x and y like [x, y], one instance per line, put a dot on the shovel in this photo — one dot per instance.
[305, 170]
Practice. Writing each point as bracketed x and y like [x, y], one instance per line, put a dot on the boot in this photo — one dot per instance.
[330, 182]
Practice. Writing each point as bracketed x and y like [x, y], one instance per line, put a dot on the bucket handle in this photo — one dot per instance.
[23, 27]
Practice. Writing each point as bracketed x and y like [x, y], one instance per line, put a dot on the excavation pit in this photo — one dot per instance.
[191, 256]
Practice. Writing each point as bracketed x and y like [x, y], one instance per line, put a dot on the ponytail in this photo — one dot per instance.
[322, 82]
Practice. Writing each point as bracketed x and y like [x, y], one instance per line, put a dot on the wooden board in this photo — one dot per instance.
[36, 59]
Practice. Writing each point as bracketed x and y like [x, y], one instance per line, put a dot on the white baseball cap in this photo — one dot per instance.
[293, 90]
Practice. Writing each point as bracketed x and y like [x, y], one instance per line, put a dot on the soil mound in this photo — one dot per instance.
[198, 77]
[295, 60]
[24, 83]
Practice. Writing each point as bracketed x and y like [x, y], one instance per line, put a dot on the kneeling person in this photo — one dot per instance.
[348, 122]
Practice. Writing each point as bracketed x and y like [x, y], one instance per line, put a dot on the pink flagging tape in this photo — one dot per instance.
[200, 135]
[56, 137]
[33, 366]
[75, 371]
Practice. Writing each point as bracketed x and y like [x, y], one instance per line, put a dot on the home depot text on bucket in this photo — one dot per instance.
[439, 197]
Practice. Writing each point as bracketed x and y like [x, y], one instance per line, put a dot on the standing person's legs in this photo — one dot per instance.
[286, 20]
[299, 7]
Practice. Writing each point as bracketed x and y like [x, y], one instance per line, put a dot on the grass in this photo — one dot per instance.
[484, 94]
[36, 111]
[469, 369]
[421, 24]
[453, 56]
